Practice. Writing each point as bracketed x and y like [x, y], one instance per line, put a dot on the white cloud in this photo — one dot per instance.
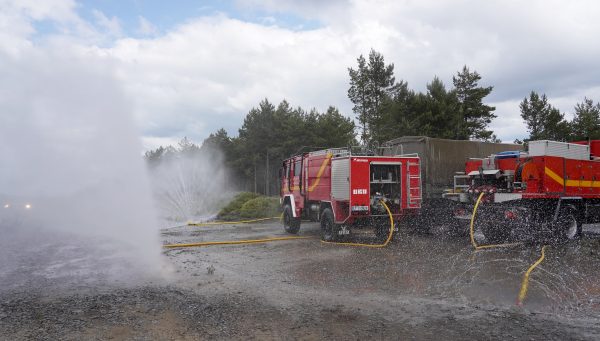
[111, 26]
[145, 27]
[58, 10]
[208, 72]
[309, 9]
[17, 17]
[509, 125]
[269, 20]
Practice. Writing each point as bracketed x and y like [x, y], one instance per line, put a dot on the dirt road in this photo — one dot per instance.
[422, 287]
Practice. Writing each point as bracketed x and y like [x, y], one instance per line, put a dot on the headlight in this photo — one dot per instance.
[6, 205]
[27, 206]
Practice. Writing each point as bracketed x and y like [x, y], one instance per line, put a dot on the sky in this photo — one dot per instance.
[188, 68]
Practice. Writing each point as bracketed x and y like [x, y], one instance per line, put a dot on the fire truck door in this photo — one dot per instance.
[297, 186]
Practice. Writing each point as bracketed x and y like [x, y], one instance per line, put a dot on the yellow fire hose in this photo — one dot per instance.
[233, 242]
[472, 230]
[229, 222]
[265, 240]
[387, 241]
[525, 283]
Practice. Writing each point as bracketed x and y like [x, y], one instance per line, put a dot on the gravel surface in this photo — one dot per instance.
[421, 287]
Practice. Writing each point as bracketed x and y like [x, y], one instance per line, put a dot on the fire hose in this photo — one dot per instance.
[472, 230]
[384, 244]
[211, 223]
[233, 242]
[525, 282]
[266, 240]
[230, 222]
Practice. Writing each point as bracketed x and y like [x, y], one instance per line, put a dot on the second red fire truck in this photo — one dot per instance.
[548, 192]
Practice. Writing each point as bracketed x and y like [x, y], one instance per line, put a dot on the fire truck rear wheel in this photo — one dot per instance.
[382, 229]
[567, 226]
[290, 224]
[329, 229]
[495, 232]
[458, 228]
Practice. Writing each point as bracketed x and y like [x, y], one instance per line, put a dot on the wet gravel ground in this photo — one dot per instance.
[422, 287]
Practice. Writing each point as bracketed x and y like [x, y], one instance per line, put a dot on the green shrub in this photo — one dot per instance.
[260, 207]
[232, 210]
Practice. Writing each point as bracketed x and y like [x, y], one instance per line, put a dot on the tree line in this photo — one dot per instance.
[545, 122]
[268, 135]
[384, 109]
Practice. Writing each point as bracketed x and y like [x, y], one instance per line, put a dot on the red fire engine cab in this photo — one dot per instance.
[549, 191]
[343, 189]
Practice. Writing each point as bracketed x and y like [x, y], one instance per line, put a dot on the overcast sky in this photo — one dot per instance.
[189, 68]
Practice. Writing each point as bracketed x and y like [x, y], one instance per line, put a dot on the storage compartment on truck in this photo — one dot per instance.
[561, 149]
[385, 182]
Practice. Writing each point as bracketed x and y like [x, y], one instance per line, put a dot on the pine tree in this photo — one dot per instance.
[544, 122]
[586, 123]
[371, 86]
[435, 111]
[473, 115]
[397, 117]
[359, 93]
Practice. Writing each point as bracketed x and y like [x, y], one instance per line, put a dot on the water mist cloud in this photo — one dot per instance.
[69, 148]
[190, 185]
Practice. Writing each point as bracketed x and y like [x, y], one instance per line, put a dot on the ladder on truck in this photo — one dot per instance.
[413, 200]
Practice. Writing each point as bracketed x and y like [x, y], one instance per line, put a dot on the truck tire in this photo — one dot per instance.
[458, 227]
[329, 229]
[495, 232]
[382, 229]
[290, 224]
[567, 227]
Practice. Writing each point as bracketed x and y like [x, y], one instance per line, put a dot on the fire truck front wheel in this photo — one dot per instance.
[329, 229]
[290, 224]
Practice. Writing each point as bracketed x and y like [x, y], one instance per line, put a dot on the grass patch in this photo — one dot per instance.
[261, 207]
[250, 205]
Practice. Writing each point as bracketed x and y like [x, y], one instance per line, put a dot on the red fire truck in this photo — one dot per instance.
[343, 189]
[547, 192]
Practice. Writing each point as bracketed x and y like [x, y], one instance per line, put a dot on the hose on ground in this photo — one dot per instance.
[210, 223]
[266, 240]
[230, 222]
[525, 282]
[472, 230]
[384, 244]
[232, 242]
